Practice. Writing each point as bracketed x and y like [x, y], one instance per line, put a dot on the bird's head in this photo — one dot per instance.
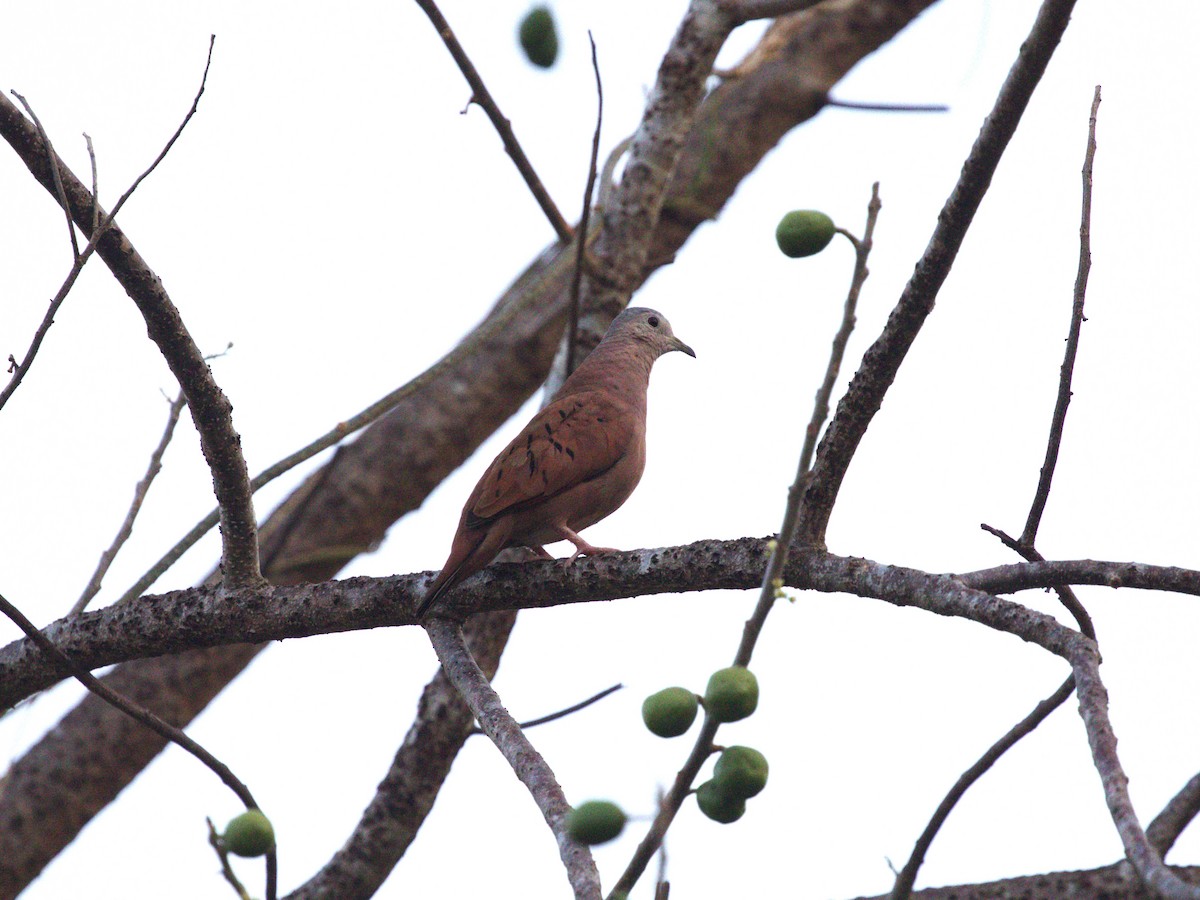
[650, 327]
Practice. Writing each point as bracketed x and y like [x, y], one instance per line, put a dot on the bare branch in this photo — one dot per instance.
[151, 625]
[210, 408]
[527, 764]
[908, 875]
[140, 714]
[862, 249]
[405, 795]
[631, 216]
[139, 495]
[563, 713]
[1068, 366]
[214, 840]
[584, 222]
[1093, 707]
[882, 361]
[1065, 595]
[483, 97]
[1175, 817]
[52, 159]
[1115, 882]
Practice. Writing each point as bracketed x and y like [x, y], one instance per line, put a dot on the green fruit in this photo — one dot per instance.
[731, 694]
[719, 805]
[595, 822]
[538, 37]
[803, 232]
[670, 712]
[741, 771]
[249, 834]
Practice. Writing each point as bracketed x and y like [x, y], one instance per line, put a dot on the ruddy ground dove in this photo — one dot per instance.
[575, 462]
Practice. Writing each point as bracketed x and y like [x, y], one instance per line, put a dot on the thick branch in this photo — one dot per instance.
[1115, 882]
[206, 617]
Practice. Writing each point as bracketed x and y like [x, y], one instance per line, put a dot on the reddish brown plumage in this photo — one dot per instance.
[575, 462]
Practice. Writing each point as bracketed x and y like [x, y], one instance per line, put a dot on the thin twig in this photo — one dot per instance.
[906, 878]
[139, 496]
[1066, 596]
[883, 359]
[888, 107]
[52, 159]
[563, 713]
[772, 578]
[482, 97]
[460, 667]
[862, 248]
[211, 409]
[141, 714]
[21, 369]
[1068, 365]
[584, 220]
[131, 709]
[95, 182]
[214, 839]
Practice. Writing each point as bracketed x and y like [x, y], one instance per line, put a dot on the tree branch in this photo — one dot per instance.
[483, 97]
[139, 495]
[527, 764]
[211, 410]
[1068, 366]
[882, 361]
[1175, 817]
[206, 617]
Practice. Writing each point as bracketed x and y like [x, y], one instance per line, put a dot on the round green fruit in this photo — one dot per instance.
[249, 834]
[719, 805]
[741, 771]
[670, 712]
[538, 37]
[803, 232]
[731, 694]
[595, 822]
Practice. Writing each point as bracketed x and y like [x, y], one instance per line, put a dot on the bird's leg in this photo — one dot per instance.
[582, 547]
[541, 552]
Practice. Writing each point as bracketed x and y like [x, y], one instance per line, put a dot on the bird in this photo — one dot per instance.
[575, 462]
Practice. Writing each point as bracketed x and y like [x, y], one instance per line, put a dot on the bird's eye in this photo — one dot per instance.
[653, 320]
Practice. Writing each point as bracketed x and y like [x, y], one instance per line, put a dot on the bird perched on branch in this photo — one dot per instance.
[575, 462]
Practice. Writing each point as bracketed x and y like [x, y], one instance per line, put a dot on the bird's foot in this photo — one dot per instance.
[583, 548]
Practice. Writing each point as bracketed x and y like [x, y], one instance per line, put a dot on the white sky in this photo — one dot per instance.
[331, 213]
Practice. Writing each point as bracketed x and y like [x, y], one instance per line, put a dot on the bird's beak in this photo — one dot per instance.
[677, 344]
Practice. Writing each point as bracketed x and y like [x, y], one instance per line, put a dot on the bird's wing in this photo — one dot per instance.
[571, 441]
